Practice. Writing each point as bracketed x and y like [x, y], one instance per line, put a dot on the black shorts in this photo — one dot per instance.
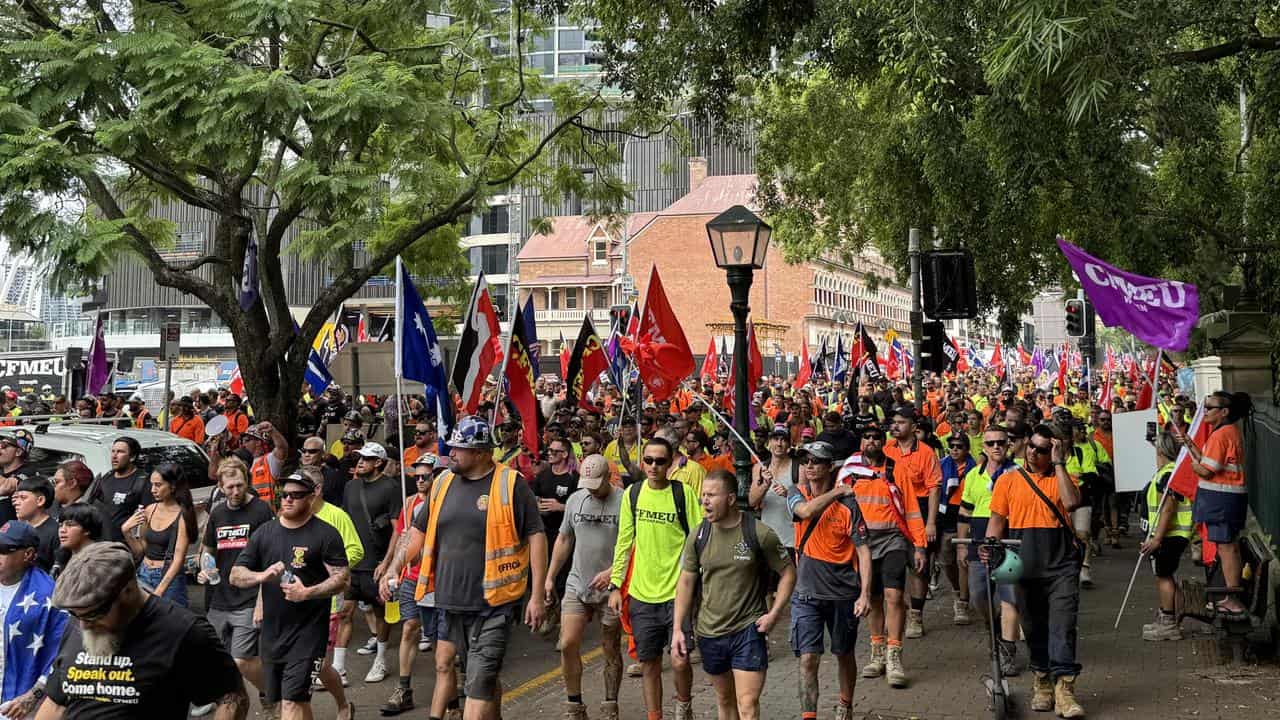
[651, 625]
[1164, 561]
[363, 588]
[889, 571]
[480, 639]
[289, 680]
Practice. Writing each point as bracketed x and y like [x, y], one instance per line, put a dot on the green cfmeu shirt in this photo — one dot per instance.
[658, 540]
[341, 521]
[1083, 461]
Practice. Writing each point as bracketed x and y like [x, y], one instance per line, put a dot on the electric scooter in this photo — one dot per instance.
[1004, 566]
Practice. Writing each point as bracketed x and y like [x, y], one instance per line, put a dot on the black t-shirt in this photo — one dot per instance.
[335, 485]
[382, 499]
[841, 439]
[294, 630]
[20, 473]
[551, 486]
[228, 532]
[460, 539]
[49, 543]
[123, 495]
[170, 659]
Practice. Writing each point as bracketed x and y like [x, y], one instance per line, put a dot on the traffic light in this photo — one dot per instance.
[1075, 318]
[619, 317]
[1089, 349]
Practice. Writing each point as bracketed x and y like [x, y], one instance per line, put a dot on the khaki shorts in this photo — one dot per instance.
[573, 605]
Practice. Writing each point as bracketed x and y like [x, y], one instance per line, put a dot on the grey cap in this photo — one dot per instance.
[94, 576]
[819, 449]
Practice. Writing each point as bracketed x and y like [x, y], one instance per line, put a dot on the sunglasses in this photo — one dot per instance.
[957, 446]
[310, 451]
[1040, 449]
[814, 461]
[656, 461]
[873, 437]
[420, 433]
[995, 443]
[295, 494]
[1207, 406]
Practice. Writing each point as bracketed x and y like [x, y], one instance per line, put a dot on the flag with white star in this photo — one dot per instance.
[32, 633]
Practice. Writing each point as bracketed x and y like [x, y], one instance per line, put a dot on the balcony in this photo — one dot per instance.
[598, 315]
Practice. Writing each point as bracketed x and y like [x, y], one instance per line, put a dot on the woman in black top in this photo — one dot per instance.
[161, 532]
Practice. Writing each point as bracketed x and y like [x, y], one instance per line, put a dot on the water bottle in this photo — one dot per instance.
[210, 566]
[286, 577]
[391, 612]
[137, 531]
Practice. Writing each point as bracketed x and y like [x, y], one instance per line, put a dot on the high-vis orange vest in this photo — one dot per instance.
[264, 486]
[506, 554]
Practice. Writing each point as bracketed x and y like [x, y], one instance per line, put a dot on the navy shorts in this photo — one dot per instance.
[811, 617]
[746, 650]
[651, 625]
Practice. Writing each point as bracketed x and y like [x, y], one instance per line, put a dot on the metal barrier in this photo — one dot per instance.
[1262, 468]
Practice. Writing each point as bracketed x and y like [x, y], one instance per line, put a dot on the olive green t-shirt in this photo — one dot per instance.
[733, 594]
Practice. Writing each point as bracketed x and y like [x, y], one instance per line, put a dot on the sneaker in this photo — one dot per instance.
[1042, 695]
[1166, 627]
[318, 685]
[271, 710]
[1086, 576]
[378, 672]
[1064, 699]
[425, 645]
[609, 710]
[961, 611]
[893, 671]
[1008, 658]
[369, 647]
[844, 712]
[401, 700]
[453, 714]
[634, 670]
[202, 710]
[575, 711]
[875, 666]
[684, 710]
[915, 624]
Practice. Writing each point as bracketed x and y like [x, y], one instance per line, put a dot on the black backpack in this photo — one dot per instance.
[677, 495]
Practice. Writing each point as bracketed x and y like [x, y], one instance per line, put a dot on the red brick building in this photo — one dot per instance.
[576, 269]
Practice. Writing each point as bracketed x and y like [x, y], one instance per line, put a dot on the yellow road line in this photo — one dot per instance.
[546, 677]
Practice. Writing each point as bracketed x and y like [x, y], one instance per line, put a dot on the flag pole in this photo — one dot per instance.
[399, 368]
[1150, 531]
[729, 425]
[506, 358]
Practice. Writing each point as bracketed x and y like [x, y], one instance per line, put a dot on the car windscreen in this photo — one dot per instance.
[45, 461]
[195, 467]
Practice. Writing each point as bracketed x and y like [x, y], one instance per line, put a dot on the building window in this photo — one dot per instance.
[600, 250]
[600, 297]
[489, 259]
[186, 244]
[495, 220]
[572, 40]
[571, 298]
[553, 299]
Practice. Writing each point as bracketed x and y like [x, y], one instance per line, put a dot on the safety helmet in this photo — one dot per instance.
[1009, 571]
[472, 431]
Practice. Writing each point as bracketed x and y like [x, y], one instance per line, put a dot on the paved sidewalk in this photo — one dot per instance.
[1123, 675]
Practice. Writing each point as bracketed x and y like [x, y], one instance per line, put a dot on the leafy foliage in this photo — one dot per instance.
[997, 124]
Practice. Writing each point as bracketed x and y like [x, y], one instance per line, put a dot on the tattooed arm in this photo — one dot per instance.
[234, 705]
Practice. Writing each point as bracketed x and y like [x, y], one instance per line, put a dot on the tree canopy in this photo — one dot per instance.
[997, 124]
[304, 126]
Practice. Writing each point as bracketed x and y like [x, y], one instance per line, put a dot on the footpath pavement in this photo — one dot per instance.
[1123, 675]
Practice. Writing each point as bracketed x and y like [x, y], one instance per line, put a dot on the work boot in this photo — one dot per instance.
[401, 700]
[575, 711]
[1008, 658]
[961, 612]
[1042, 695]
[1166, 627]
[1086, 576]
[453, 714]
[609, 710]
[915, 623]
[684, 710]
[1064, 698]
[634, 670]
[893, 671]
[844, 712]
[875, 666]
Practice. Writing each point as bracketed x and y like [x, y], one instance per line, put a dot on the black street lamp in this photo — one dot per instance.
[739, 241]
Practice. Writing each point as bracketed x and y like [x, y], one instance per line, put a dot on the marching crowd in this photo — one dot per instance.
[628, 517]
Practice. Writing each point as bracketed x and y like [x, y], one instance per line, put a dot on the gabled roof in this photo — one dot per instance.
[716, 194]
[567, 239]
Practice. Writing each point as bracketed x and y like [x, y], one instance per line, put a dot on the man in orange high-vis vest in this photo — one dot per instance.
[270, 451]
[482, 542]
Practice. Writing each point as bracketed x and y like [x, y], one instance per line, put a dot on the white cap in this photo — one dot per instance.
[373, 450]
[593, 471]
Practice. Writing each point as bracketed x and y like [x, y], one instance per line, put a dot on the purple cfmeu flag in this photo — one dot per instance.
[1159, 312]
[98, 368]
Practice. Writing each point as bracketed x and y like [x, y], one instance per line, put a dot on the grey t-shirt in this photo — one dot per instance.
[593, 524]
[774, 511]
[460, 539]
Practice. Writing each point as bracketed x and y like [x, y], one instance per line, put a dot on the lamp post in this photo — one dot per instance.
[739, 241]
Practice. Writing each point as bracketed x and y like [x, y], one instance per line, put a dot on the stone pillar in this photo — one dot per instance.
[1208, 376]
[1244, 348]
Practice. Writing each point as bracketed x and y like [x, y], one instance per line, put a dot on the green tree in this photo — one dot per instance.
[999, 123]
[302, 125]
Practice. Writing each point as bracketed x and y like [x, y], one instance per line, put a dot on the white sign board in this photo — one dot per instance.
[170, 341]
[1135, 458]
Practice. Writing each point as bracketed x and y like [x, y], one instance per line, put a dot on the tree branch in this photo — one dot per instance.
[542, 144]
[193, 265]
[1213, 53]
[41, 18]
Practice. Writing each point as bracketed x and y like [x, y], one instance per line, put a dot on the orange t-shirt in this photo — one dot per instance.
[920, 466]
[191, 428]
[1017, 503]
[1224, 455]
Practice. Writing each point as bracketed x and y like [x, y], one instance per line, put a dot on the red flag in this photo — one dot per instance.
[660, 350]
[997, 360]
[1146, 396]
[1110, 364]
[1185, 482]
[891, 364]
[564, 358]
[362, 329]
[236, 385]
[710, 362]
[479, 347]
[806, 369]
[962, 364]
[1024, 357]
[521, 378]
[1106, 398]
[755, 362]
[585, 365]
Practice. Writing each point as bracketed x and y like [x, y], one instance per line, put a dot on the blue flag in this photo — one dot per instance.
[418, 353]
[32, 633]
[840, 366]
[317, 375]
[819, 362]
[249, 274]
[531, 334]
